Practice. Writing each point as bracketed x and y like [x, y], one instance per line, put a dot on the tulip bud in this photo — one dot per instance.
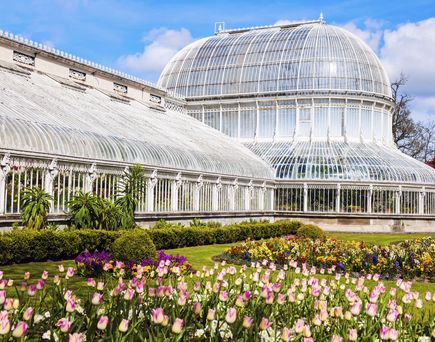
[231, 315]
[102, 323]
[64, 324]
[247, 322]
[177, 327]
[20, 329]
[27, 314]
[211, 314]
[123, 326]
[353, 335]
[97, 298]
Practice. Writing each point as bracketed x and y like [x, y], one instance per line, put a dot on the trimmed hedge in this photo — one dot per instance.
[20, 246]
[134, 245]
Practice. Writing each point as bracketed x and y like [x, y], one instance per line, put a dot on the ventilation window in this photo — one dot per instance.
[77, 75]
[23, 58]
[155, 99]
[120, 88]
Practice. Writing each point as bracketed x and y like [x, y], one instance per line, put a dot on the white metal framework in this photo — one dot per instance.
[314, 102]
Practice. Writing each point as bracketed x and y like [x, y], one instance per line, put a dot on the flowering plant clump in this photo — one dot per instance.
[250, 303]
[95, 264]
[410, 258]
[91, 264]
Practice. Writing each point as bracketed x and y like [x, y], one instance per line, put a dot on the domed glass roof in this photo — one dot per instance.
[290, 59]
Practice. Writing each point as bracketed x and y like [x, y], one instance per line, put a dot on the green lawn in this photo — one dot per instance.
[377, 238]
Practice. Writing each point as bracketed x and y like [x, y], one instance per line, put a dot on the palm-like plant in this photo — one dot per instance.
[84, 209]
[131, 189]
[35, 207]
[109, 215]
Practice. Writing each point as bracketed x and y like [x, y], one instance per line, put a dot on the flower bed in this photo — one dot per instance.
[410, 259]
[256, 302]
[100, 264]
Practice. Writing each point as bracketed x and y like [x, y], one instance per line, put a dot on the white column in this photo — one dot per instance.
[272, 199]
[50, 176]
[232, 194]
[215, 195]
[305, 197]
[369, 199]
[91, 175]
[175, 185]
[151, 185]
[5, 167]
[338, 198]
[248, 191]
[398, 195]
[198, 186]
[421, 196]
[261, 193]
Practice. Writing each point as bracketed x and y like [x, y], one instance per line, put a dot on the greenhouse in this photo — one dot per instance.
[288, 120]
[314, 102]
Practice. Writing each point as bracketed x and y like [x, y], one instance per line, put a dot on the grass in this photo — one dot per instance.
[377, 238]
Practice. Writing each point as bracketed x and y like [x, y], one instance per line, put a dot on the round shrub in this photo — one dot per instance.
[310, 231]
[134, 245]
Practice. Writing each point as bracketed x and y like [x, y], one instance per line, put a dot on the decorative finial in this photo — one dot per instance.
[321, 17]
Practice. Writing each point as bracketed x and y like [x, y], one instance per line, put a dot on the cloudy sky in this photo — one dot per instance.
[139, 37]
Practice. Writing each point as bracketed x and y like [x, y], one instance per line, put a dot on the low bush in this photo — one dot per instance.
[134, 245]
[311, 231]
[25, 245]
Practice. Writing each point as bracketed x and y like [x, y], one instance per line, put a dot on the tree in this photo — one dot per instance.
[413, 138]
[35, 207]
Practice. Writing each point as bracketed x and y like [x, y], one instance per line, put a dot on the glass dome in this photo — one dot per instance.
[282, 59]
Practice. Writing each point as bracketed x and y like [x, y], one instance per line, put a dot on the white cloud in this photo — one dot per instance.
[161, 45]
[371, 33]
[423, 107]
[410, 49]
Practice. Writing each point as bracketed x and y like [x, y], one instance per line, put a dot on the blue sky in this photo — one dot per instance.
[140, 36]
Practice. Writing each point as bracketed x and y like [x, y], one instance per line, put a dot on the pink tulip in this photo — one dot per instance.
[336, 338]
[286, 334]
[27, 314]
[61, 268]
[231, 315]
[100, 286]
[5, 325]
[371, 309]
[265, 324]
[353, 335]
[44, 275]
[223, 296]
[64, 324]
[197, 308]
[40, 284]
[129, 294]
[2, 296]
[299, 327]
[91, 282]
[356, 308]
[394, 334]
[102, 323]
[97, 298]
[9, 304]
[123, 326]
[76, 337]
[26, 275]
[384, 334]
[31, 290]
[70, 272]
[165, 320]
[428, 296]
[70, 305]
[20, 329]
[392, 315]
[247, 322]
[158, 315]
[177, 327]
[1, 275]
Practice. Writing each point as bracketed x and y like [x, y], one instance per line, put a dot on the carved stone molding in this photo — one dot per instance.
[120, 88]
